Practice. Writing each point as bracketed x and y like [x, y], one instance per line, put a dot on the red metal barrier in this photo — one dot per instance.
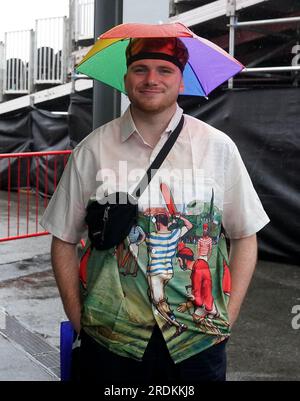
[27, 181]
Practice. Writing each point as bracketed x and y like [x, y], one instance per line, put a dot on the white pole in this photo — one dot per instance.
[231, 12]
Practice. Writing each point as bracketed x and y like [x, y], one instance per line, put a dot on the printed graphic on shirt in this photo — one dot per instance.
[173, 269]
[186, 240]
[128, 260]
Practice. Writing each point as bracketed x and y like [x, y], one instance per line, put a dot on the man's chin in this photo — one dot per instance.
[150, 107]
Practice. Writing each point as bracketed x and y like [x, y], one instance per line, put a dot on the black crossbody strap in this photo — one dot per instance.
[155, 165]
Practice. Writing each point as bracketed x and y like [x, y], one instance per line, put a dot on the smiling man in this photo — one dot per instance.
[153, 82]
[126, 337]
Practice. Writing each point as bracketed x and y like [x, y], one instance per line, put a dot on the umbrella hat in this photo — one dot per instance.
[208, 65]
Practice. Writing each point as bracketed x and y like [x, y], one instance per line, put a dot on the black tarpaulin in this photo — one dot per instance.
[15, 137]
[80, 117]
[49, 133]
[33, 131]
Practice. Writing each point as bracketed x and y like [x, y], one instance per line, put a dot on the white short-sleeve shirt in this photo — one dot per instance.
[202, 183]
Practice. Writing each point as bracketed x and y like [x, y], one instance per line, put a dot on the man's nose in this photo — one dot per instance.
[151, 77]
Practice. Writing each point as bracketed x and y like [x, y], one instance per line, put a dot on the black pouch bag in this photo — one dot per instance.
[110, 219]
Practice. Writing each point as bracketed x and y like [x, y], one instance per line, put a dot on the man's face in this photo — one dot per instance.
[153, 85]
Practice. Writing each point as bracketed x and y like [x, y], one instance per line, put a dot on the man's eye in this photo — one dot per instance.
[139, 70]
[166, 71]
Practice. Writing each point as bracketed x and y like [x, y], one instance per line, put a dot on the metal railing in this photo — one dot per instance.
[50, 51]
[2, 64]
[235, 24]
[270, 21]
[27, 181]
[271, 69]
[18, 62]
[84, 19]
[42, 56]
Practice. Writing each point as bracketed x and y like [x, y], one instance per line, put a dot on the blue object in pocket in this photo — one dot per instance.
[67, 337]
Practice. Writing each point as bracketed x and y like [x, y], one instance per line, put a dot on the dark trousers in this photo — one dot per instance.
[96, 363]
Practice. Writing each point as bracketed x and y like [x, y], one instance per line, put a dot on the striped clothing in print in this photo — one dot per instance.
[204, 246]
[162, 248]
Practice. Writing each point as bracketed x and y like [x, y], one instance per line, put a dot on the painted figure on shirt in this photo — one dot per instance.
[226, 281]
[204, 245]
[162, 244]
[199, 293]
[128, 259]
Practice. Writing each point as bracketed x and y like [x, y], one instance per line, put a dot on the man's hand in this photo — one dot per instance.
[65, 265]
[186, 222]
[184, 306]
[242, 262]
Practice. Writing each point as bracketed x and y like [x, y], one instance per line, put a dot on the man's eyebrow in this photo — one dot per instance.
[141, 64]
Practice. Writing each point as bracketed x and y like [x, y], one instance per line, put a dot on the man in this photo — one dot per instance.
[123, 337]
[201, 296]
[135, 238]
[205, 244]
[162, 246]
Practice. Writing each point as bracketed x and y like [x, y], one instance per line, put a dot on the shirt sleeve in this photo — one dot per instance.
[243, 213]
[65, 214]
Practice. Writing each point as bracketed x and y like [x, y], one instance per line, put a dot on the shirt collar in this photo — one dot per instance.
[128, 127]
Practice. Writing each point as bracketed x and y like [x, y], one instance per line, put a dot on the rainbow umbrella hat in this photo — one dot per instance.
[208, 66]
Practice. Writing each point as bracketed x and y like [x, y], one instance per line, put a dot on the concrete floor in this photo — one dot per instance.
[29, 294]
[263, 346]
[264, 343]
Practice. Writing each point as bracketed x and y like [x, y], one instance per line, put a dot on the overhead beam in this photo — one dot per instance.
[246, 35]
[44, 96]
[210, 11]
[273, 21]
[271, 69]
